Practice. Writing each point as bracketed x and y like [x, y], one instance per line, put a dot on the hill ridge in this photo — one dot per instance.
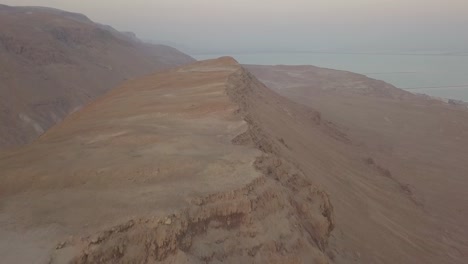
[204, 163]
[169, 128]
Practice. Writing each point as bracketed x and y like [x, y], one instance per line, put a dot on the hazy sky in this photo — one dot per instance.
[290, 25]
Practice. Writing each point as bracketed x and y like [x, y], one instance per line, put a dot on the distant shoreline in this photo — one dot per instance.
[436, 87]
[455, 54]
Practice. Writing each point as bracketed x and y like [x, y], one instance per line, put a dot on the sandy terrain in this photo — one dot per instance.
[53, 62]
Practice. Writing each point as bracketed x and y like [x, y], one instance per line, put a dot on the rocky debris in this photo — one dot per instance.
[230, 227]
[168, 221]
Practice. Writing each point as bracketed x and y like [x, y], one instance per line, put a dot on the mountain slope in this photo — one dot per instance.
[53, 62]
[399, 186]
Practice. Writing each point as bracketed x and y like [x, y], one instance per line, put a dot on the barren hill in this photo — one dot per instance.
[53, 62]
[205, 164]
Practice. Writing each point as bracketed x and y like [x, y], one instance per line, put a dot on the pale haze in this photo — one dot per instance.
[273, 25]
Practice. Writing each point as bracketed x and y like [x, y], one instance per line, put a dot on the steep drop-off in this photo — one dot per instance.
[399, 185]
[53, 62]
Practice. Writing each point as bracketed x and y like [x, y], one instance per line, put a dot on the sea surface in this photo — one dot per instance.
[442, 75]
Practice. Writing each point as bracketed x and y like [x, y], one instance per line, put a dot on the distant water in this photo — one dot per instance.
[439, 75]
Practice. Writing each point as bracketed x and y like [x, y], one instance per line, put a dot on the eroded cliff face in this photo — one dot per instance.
[263, 222]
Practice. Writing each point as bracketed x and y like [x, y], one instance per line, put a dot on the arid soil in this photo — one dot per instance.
[205, 164]
[53, 62]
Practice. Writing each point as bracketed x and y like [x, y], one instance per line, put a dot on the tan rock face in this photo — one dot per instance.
[54, 62]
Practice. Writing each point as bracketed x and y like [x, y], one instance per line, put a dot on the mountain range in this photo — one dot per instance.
[54, 62]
